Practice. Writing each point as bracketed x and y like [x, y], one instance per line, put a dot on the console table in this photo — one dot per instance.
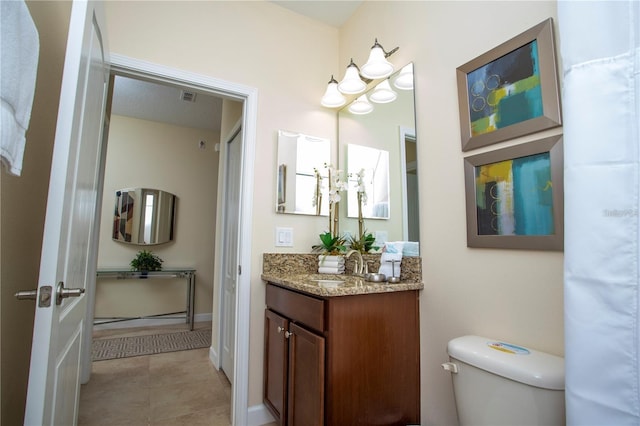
[123, 274]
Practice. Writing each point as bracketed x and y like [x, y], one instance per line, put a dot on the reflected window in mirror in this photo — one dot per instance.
[143, 216]
[373, 167]
[389, 127]
[301, 174]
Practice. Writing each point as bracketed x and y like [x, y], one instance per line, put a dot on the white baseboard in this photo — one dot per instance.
[213, 357]
[259, 415]
[150, 322]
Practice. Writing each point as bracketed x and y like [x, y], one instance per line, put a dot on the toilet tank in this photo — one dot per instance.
[499, 383]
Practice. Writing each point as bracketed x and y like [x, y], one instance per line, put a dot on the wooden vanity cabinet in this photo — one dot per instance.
[342, 360]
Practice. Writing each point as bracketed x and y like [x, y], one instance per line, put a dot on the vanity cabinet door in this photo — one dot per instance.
[306, 377]
[276, 356]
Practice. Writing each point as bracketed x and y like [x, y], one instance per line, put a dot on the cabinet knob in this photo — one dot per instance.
[287, 334]
[280, 329]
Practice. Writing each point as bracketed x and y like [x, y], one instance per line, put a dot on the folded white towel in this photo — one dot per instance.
[331, 257]
[387, 268]
[20, 48]
[329, 270]
[331, 262]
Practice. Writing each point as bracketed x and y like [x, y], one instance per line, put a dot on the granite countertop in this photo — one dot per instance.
[328, 285]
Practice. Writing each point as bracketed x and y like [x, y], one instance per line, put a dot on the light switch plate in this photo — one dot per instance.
[284, 237]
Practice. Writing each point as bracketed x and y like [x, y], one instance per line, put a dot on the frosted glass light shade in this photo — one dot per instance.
[404, 81]
[383, 93]
[352, 84]
[332, 97]
[377, 66]
[361, 106]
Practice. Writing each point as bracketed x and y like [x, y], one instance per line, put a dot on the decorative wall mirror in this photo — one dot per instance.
[373, 166]
[143, 216]
[301, 174]
[389, 127]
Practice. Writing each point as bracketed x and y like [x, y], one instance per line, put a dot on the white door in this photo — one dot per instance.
[231, 215]
[54, 376]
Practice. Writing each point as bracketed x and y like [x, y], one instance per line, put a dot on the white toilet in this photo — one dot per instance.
[498, 383]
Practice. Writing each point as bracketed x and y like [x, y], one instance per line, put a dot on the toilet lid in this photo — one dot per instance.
[512, 361]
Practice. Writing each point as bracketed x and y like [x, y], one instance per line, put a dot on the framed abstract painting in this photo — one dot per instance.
[514, 196]
[511, 90]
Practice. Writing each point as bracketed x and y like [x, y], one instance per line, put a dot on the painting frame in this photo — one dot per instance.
[555, 241]
[547, 100]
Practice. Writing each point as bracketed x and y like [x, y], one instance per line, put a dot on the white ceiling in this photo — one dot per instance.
[331, 12]
[157, 102]
[163, 103]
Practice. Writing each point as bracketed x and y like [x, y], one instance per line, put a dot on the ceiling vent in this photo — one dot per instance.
[187, 96]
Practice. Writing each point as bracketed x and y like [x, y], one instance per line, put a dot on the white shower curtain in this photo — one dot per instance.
[600, 50]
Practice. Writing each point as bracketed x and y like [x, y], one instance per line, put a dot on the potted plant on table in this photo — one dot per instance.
[146, 261]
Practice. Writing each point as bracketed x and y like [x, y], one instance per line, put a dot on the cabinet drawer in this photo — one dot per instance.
[298, 307]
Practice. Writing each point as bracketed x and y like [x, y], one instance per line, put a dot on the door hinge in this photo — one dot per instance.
[239, 269]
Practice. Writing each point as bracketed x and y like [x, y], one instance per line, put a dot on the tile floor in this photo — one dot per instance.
[175, 388]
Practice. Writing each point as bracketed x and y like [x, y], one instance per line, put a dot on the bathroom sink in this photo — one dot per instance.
[329, 283]
[326, 277]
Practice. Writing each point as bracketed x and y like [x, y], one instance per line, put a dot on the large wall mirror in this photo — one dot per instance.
[368, 168]
[143, 216]
[389, 128]
[301, 174]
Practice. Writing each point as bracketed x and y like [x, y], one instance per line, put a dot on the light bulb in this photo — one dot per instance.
[383, 94]
[377, 66]
[352, 84]
[332, 97]
[361, 106]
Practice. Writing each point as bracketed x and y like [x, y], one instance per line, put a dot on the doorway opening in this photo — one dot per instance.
[247, 98]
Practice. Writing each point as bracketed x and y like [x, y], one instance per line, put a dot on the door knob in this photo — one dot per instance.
[63, 293]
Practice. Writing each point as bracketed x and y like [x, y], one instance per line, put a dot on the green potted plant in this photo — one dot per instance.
[146, 261]
[330, 245]
[364, 244]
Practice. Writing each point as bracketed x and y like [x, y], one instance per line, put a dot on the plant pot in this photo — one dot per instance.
[330, 264]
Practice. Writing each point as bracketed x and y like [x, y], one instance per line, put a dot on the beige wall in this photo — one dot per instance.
[23, 209]
[503, 294]
[149, 154]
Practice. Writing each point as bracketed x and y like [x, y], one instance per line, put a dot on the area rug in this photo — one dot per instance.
[124, 347]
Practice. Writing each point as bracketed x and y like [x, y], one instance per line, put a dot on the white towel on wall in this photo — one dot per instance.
[20, 48]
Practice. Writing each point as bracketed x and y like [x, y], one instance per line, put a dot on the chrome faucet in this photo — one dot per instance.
[358, 266]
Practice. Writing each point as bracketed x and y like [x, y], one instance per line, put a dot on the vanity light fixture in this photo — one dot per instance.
[377, 66]
[383, 94]
[352, 84]
[355, 80]
[332, 97]
[404, 81]
[361, 106]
